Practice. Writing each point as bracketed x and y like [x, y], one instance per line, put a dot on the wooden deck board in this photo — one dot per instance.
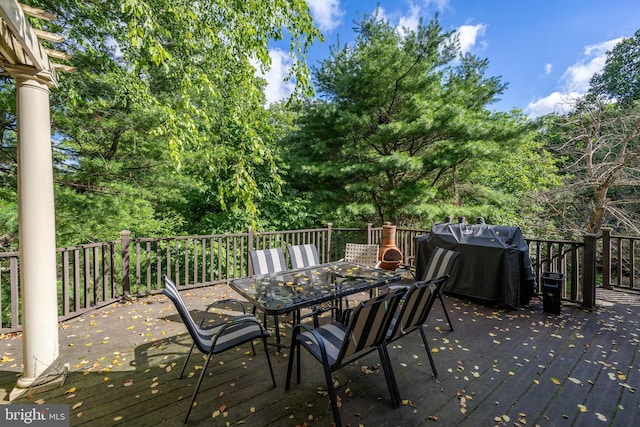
[125, 361]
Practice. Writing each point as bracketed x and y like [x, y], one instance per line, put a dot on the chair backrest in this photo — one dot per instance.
[369, 323]
[171, 291]
[362, 254]
[266, 261]
[303, 255]
[440, 263]
[416, 306]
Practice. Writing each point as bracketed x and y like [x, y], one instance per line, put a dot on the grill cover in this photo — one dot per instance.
[493, 265]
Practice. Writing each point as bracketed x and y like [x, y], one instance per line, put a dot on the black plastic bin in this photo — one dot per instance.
[551, 291]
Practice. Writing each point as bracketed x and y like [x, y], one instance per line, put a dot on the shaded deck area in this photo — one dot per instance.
[498, 367]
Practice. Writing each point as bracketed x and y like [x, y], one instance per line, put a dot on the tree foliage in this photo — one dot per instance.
[402, 132]
[167, 99]
[620, 78]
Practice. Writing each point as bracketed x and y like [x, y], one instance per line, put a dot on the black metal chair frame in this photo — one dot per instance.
[216, 338]
[440, 263]
[364, 332]
[414, 310]
[253, 255]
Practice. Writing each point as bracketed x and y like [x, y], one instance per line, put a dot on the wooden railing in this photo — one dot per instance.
[93, 275]
[564, 257]
[620, 255]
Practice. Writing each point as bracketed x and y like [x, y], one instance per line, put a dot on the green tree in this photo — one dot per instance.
[402, 132]
[620, 77]
[160, 83]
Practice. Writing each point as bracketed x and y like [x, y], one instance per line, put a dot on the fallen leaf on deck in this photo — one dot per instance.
[555, 381]
[582, 408]
[601, 417]
[627, 386]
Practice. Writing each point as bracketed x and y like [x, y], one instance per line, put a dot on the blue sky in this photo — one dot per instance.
[546, 50]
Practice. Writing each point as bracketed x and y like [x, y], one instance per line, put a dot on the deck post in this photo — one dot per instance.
[249, 249]
[125, 236]
[328, 243]
[606, 257]
[589, 274]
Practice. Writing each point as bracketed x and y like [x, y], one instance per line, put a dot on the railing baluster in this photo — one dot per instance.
[65, 283]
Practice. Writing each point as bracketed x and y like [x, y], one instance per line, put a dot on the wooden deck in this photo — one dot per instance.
[497, 367]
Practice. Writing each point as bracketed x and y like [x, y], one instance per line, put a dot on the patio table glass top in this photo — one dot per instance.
[286, 291]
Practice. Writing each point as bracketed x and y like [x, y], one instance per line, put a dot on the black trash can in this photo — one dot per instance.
[551, 291]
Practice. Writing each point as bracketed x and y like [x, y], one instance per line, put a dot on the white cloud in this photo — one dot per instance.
[574, 81]
[557, 102]
[548, 68]
[440, 4]
[577, 76]
[468, 35]
[327, 13]
[410, 21]
[277, 88]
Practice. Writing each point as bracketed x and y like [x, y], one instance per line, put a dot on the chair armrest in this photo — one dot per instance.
[246, 318]
[227, 301]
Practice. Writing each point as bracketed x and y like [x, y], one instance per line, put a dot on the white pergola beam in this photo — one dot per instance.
[14, 17]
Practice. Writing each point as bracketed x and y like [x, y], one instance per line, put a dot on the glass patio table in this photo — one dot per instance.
[292, 290]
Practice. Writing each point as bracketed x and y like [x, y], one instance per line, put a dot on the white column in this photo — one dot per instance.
[37, 231]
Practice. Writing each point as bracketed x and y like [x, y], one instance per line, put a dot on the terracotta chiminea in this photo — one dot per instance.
[389, 255]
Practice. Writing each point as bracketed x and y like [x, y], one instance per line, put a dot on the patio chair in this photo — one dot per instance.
[362, 254]
[338, 343]
[307, 256]
[217, 338]
[415, 308]
[440, 263]
[265, 261]
[303, 255]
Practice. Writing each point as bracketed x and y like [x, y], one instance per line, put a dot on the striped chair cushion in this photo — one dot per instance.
[367, 327]
[303, 255]
[332, 335]
[416, 306]
[440, 263]
[266, 261]
[239, 330]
